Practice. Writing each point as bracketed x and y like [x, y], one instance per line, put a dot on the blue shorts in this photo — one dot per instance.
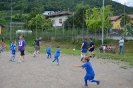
[90, 77]
[48, 52]
[13, 52]
[56, 56]
[84, 50]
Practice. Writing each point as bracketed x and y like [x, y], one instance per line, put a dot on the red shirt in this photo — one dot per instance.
[2, 44]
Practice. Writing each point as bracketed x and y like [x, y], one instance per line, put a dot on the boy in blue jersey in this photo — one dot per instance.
[57, 54]
[13, 49]
[90, 74]
[48, 51]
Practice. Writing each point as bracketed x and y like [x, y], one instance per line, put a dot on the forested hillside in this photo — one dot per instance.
[27, 5]
[22, 8]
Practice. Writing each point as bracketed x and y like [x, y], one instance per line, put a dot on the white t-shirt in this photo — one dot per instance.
[121, 42]
[104, 47]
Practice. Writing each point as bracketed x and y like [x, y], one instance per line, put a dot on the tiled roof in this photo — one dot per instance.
[113, 18]
[131, 16]
[59, 13]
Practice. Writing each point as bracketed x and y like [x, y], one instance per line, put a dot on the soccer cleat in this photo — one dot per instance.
[13, 61]
[58, 64]
[34, 56]
[53, 63]
[81, 58]
[98, 82]
[85, 87]
[24, 60]
[19, 62]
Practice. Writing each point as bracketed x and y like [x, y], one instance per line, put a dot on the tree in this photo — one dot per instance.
[94, 18]
[125, 20]
[78, 17]
[40, 22]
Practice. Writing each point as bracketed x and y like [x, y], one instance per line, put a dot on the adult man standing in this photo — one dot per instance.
[91, 48]
[84, 48]
[37, 46]
[121, 45]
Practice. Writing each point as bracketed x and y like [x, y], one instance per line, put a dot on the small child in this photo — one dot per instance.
[57, 54]
[110, 47]
[48, 51]
[90, 74]
[13, 49]
[2, 47]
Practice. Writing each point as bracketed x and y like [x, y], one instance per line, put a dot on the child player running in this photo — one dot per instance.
[13, 49]
[21, 48]
[90, 74]
[57, 54]
[48, 51]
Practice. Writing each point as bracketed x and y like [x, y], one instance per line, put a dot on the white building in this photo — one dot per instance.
[58, 17]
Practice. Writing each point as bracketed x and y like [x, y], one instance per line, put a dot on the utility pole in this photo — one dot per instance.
[103, 23]
[11, 23]
[124, 16]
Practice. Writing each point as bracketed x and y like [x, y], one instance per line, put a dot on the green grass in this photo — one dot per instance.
[127, 57]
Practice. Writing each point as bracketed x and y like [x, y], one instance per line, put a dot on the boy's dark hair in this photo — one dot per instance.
[90, 38]
[85, 38]
[87, 59]
[58, 46]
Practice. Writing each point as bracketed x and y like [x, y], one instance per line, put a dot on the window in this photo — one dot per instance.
[60, 20]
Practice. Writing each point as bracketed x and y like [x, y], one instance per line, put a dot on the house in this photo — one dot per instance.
[58, 17]
[117, 19]
[1, 26]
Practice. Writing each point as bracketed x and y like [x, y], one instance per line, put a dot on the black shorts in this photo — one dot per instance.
[22, 53]
[91, 50]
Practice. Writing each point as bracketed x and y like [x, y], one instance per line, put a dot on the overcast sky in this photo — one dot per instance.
[126, 2]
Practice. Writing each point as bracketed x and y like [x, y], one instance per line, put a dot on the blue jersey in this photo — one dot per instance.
[13, 47]
[85, 46]
[57, 53]
[48, 50]
[89, 69]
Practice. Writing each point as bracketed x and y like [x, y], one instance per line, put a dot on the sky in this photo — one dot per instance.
[126, 2]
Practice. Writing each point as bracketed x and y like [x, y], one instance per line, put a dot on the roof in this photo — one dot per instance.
[47, 12]
[58, 13]
[131, 16]
[114, 18]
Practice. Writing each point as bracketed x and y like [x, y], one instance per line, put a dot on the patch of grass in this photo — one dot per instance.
[127, 57]
[124, 67]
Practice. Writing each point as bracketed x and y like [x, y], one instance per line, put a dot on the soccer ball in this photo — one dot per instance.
[73, 49]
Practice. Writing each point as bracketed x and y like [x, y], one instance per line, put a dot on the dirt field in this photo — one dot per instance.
[40, 73]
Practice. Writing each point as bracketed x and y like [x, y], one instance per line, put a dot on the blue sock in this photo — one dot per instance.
[12, 58]
[94, 80]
